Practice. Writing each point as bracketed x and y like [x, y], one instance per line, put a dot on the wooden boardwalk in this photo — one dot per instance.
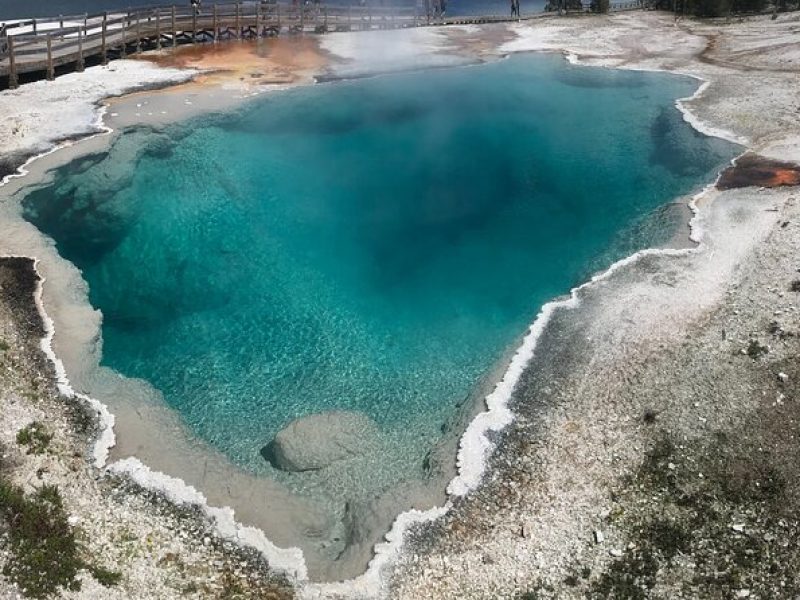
[43, 45]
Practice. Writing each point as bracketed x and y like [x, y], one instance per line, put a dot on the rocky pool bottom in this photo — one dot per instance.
[375, 247]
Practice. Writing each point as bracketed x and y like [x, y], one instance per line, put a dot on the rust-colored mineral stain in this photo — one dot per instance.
[268, 61]
[754, 170]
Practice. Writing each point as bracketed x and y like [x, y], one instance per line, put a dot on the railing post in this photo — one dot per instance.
[103, 46]
[238, 22]
[194, 24]
[215, 24]
[138, 35]
[158, 29]
[349, 17]
[278, 14]
[13, 81]
[124, 52]
[256, 25]
[50, 71]
[302, 17]
[79, 63]
[35, 26]
[174, 28]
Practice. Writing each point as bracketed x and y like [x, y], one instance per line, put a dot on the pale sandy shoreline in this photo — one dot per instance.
[607, 45]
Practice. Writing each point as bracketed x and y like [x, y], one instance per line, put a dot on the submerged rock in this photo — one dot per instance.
[316, 441]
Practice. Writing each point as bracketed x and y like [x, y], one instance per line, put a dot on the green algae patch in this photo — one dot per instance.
[45, 556]
[35, 438]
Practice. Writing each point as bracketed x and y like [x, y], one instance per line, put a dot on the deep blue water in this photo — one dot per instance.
[373, 245]
[17, 9]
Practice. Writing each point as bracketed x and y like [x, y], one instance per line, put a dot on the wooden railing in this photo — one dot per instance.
[618, 6]
[43, 45]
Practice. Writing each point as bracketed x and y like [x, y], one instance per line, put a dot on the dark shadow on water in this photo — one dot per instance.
[655, 229]
[77, 218]
[682, 150]
[306, 118]
[582, 77]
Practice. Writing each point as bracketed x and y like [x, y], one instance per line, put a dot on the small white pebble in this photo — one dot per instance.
[599, 538]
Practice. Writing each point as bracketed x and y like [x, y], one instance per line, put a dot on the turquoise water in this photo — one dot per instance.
[373, 245]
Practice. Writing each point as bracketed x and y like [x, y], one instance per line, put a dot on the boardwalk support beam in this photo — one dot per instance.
[103, 46]
[158, 29]
[174, 29]
[123, 51]
[238, 22]
[13, 81]
[216, 25]
[51, 73]
[79, 63]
